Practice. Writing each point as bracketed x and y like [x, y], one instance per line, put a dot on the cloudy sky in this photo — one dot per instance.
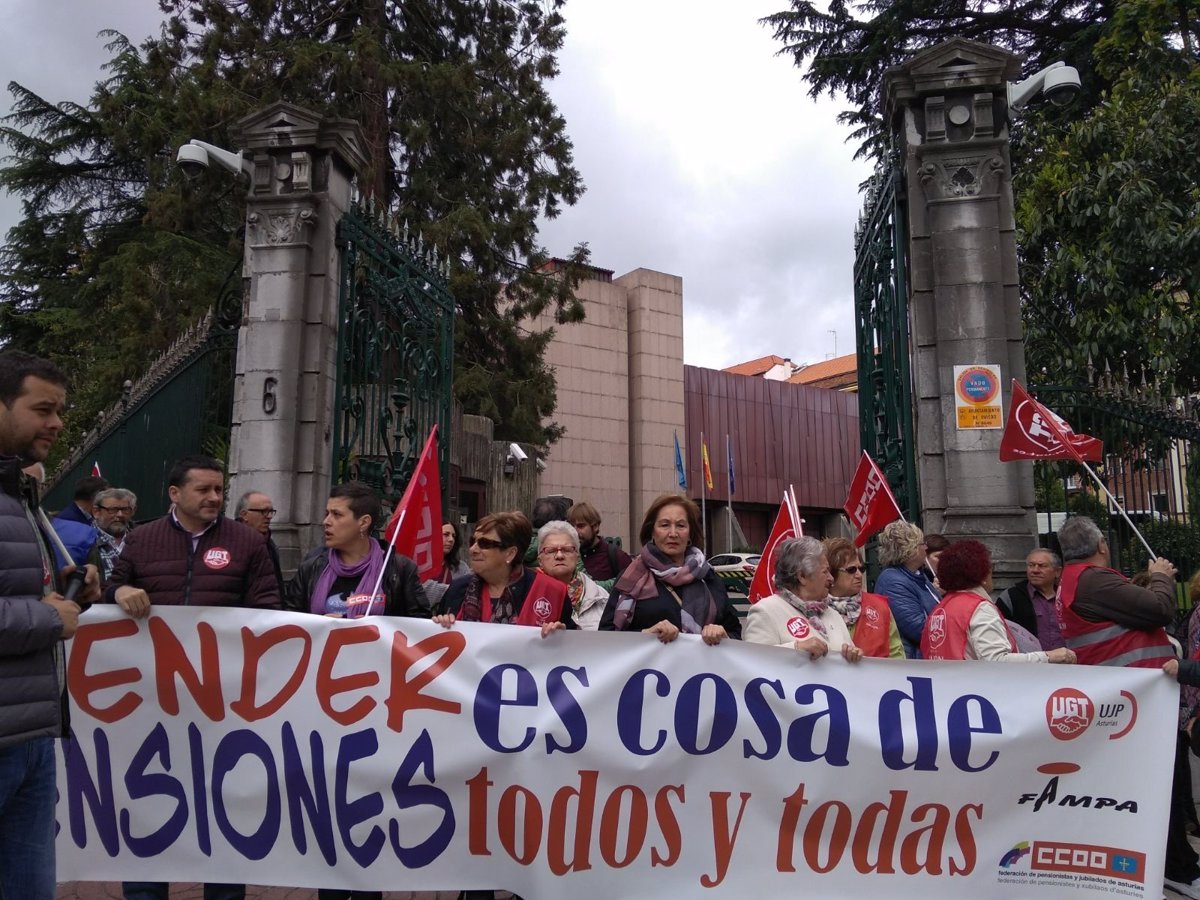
[702, 154]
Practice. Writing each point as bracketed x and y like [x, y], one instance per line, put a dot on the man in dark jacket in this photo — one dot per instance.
[602, 561]
[193, 556]
[34, 621]
[1031, 602]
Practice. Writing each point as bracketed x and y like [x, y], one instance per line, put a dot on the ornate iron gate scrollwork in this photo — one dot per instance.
[395, 355]
[881, 326]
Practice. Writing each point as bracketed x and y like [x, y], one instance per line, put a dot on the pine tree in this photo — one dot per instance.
[464, 144]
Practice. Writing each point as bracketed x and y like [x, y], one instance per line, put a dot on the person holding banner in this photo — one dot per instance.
[670, 587]
[910, 594]
[867, 616]
[798, 615]
[966, 624]
[558, 556]
[500, 588]
[339, 579]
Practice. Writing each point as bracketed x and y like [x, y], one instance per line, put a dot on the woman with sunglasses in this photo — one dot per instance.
[867, 616]
[500, 589]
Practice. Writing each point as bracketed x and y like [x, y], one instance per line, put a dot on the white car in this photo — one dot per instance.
[736, 563]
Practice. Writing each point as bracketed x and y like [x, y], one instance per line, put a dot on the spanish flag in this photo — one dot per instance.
[708, 482]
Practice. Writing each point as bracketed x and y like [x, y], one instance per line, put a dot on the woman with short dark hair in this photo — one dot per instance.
[339, 580]
[966, 624]
[670, 586]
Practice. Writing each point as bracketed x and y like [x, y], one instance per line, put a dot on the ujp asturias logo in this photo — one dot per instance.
[1069, 712]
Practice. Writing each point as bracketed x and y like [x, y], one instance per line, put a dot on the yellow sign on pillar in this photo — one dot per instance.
[977, 402]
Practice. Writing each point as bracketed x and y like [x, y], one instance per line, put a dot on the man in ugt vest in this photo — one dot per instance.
[1108, 621]
[193, 556]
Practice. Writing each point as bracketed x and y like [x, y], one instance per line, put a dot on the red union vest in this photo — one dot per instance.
[945, 632]
[873, 630]
[543, 603]
[1107, 643]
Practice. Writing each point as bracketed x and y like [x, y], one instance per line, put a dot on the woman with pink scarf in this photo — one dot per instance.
[670, 587]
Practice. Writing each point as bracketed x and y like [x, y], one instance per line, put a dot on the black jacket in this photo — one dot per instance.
[652, 611]
[1017, 607]
[457, 592]
[405, 596]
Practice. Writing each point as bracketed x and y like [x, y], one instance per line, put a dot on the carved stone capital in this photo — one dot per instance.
[277, 227]
[952, 177]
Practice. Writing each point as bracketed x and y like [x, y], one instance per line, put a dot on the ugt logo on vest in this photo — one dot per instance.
[542, 609]
[217, 558]
[798, 627]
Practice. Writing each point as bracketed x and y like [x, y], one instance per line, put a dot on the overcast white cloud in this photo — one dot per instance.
[702, 154]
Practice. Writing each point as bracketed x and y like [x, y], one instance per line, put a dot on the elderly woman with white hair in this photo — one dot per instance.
[910, 592]
[798, 615]
[558, 557]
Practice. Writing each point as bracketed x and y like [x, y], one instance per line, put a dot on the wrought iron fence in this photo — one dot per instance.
[885, 406]
[395, 354]
[183, 404]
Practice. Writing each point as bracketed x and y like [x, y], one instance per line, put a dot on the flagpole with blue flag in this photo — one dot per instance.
[680, 473]
[729, 462]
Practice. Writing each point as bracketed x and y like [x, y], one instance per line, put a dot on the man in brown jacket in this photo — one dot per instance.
[193, 556]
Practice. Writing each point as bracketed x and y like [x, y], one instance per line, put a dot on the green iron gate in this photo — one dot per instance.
[395, 355]
[881, 327]
[183, 404]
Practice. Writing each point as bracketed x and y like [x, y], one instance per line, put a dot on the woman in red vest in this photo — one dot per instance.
[500, 589]
[867, 616]
[966, 623]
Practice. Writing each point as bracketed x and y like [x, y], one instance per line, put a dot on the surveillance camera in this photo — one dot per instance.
[515, 451]
[192, 160]
[541, 465]
[1062, 85]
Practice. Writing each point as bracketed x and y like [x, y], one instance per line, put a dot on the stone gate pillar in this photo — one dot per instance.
[286, 373]
[947, 108]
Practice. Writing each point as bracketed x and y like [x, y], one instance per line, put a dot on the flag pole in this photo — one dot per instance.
[388, 555]
[729, 524]
[703, 495]
[1119, 507]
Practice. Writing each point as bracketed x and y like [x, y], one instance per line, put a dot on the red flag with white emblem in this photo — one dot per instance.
[763, 582]
[415, 528]
[870, 504]
[1032, 431]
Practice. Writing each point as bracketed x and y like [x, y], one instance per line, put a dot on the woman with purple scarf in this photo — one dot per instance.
[339, 580]
[670, 587]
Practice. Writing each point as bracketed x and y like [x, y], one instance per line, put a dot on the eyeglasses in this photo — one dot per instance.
[557, 551]
[487, 543]
[115, 509]
[264, 511]
[852, 570]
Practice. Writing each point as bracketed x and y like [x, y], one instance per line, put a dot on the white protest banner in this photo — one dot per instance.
[388, 753]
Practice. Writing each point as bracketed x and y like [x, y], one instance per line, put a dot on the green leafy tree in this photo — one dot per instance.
[464, 143]
[1106, 191]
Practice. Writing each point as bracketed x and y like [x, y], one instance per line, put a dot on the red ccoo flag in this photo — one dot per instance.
[870, 504]
[1034, 432]
[763, 582]
[415, 528]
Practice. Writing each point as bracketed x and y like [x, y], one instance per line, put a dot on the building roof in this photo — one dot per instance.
[836, 373]
[758, 366]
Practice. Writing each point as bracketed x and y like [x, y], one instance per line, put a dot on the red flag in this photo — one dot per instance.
[870, 504]
[1034, 432]
[763, 582]
[96, 469]
[416, 524]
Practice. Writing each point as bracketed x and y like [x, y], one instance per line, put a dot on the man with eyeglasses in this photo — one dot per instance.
[256, 510]
[114, 510]
[1031, 602]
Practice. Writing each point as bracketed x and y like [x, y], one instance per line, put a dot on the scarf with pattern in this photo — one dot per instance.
[504, 608]
[640, 582]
